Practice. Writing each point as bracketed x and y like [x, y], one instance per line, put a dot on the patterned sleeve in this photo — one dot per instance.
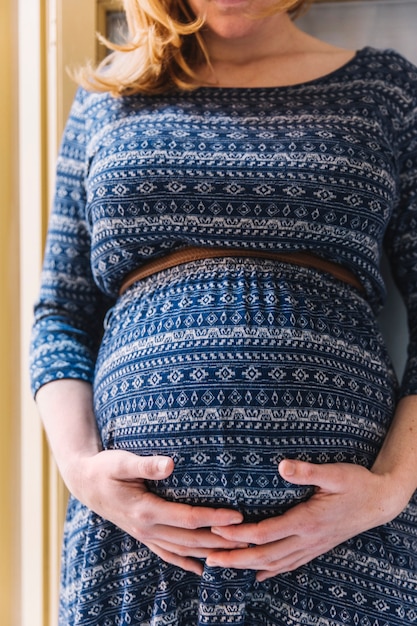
[401, 236]
[70, 309]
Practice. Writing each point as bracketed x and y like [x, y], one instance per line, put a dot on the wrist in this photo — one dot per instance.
[396, 462]
[75, 471]
[394, 492]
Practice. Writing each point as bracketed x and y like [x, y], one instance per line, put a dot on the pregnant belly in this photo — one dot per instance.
[228, 372]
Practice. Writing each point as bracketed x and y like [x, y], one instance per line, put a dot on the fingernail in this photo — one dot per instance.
[163, 465]
[289, 468]
[261, 578]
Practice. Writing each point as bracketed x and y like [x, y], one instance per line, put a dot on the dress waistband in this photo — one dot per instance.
[195, 253]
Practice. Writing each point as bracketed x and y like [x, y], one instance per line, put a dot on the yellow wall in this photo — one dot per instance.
[9, 348]
[52, 34]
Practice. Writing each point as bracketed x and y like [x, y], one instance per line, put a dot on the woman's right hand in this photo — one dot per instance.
[112, 484]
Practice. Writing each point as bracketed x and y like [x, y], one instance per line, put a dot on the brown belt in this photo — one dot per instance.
[194, 253]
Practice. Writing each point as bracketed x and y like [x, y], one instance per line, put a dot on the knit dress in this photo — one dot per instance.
[230, 365]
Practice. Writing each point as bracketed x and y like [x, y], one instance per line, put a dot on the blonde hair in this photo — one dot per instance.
[163, 37]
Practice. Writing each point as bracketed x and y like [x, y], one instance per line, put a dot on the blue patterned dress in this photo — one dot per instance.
[229, 365]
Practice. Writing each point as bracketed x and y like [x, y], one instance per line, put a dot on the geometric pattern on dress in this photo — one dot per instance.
[229, 365]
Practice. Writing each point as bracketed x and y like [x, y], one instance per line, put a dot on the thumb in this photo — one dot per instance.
[130, 466]
[154, 467]
[303, 473]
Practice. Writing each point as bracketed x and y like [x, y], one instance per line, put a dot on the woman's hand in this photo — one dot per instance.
[112, 483]
[348, 500]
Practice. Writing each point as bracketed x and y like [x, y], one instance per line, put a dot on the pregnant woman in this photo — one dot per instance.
[206, 357]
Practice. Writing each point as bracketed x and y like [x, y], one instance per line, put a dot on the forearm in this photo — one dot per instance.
[113, 482]
[397, 459]
[66, 409]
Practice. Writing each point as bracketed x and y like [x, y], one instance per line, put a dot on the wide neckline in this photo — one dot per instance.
[314, 81]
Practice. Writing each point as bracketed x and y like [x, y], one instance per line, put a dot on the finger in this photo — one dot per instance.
[326, 476]
[286, 564]
[154, 467]
[183, 541]
[185, 563]
[274, 557]
[263, 575]
[249, 558]
[182, 551]
[129, 466]
[260, 533]
[156, 510]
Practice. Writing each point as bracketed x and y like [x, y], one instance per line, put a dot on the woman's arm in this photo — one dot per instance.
[348, 500]
[397, 459]
[112, 482]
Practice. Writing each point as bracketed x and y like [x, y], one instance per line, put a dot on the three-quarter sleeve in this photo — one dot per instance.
[401, 237]
[70, 308]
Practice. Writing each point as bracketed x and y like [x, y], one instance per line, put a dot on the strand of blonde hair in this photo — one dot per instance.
[163, 37]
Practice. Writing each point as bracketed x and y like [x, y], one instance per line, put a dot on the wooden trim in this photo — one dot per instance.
[9, 323]
[51, 37]
[71, 42]
[33, 196]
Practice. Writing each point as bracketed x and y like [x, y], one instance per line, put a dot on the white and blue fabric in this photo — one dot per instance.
[230, 365]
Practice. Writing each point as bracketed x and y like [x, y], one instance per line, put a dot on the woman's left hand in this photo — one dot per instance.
[348, 500]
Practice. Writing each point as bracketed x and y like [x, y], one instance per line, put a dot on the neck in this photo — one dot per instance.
[270, 36]
[264, 52]
[253, 57]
